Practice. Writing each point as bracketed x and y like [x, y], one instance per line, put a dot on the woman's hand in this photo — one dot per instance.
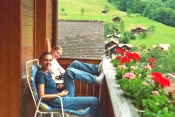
[63, 93]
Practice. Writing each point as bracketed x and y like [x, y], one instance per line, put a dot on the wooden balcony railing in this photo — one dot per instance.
[113, 103]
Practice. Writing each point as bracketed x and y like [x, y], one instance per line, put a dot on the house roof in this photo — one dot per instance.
[163, 46]
[117, 17]
[81, 39]
[113, 35]
[110, 41]
[141, 27]
[128, 45]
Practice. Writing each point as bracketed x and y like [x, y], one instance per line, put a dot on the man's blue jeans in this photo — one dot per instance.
[79, 71]
[85, 73]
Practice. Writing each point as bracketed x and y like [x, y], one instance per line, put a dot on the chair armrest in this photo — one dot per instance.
[50, 96]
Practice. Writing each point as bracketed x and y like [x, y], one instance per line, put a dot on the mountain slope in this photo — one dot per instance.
[92, 11]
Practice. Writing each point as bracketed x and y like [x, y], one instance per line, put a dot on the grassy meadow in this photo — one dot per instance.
[92, 11]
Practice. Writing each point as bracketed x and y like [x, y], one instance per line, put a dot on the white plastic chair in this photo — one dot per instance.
[42, 107]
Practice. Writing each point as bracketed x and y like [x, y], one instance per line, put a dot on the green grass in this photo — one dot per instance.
[92, 11]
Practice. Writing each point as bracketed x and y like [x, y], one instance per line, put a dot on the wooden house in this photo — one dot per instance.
[116, 19]
[126, 47]
[104, 12]
[162, 46]
[114, 37]
[110, 48]
[137, 30]
[111, 51]
[109, 44]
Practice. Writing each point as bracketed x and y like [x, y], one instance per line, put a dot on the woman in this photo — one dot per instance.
[47, 86]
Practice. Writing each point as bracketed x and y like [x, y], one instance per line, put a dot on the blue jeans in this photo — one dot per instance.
[79, 71]
[85, 73]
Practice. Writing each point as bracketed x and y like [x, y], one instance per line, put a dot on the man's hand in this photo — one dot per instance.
[60, 86]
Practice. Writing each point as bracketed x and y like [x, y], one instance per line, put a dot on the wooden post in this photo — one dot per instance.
[54, 22]
[10, 58]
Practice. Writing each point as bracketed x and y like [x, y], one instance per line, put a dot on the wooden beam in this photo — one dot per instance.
[40, 26]
[54, 22]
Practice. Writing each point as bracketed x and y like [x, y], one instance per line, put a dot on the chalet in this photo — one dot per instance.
[109, 44]
[111, 51]
[162, 46]
[116, 19]
[137, 30]
[104, 12]
[126, 47]
[114, 37]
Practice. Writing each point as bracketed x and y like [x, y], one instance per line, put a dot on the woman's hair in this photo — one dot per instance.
[44, 54]
[56, 48]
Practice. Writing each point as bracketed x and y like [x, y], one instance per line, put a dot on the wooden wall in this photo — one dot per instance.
[28, 53]
[37, 27]
[24, 27]
[44, 23]
[10, 58]
[28, 29]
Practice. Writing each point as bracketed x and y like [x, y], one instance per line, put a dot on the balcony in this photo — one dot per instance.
[113, 103]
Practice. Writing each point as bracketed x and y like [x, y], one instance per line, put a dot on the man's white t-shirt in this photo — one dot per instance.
[56, 69]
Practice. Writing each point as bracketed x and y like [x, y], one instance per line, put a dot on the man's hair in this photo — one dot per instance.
[44, 54]
[56, 48]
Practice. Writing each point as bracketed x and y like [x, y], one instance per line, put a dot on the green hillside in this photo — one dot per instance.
[92, 11]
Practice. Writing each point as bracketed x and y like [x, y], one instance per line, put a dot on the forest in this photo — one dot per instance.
[162, 11]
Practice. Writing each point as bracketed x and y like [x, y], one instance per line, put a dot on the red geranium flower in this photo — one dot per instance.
[125, 60]
[118, 57]
[133, 56]
[162, 81]
[128, 54]
[120, 50]
[152, 62]
[156, 74]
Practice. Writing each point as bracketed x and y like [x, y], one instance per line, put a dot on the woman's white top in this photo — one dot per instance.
[56, 69]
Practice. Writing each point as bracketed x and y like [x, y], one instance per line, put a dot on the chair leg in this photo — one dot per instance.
[51, 114]
[40, 115]
[66, 115]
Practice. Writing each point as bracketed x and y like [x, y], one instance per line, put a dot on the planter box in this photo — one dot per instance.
[121, 105]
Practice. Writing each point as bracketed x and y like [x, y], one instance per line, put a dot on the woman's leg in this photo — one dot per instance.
[75, 103]
[72, 74]
[90, 68]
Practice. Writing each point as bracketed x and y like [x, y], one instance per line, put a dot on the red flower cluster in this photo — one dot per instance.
[120, 50]
[162, 81]
[152, 62]
[128, 57]
[133, 56]
[125, 60]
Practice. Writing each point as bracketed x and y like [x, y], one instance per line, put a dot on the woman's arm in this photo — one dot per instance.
[50, 96]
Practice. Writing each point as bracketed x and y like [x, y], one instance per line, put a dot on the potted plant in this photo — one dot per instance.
[158, 106]
[143, 87]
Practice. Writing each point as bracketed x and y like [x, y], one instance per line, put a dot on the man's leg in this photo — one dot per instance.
[72, 74]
